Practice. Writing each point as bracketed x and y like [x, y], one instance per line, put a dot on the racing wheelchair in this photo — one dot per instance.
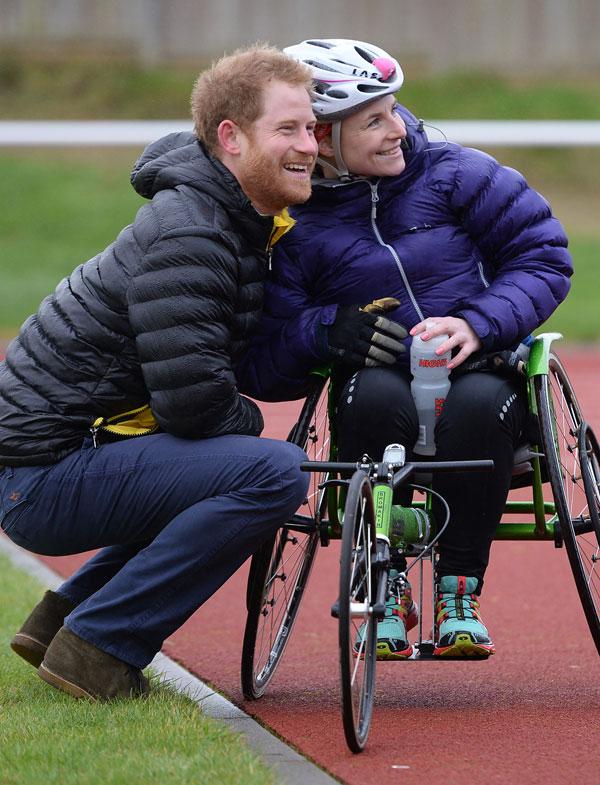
[352, 502]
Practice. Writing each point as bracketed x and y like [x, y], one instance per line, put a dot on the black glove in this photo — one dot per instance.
[359, 338]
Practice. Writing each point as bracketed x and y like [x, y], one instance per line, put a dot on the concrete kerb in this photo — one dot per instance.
[290, 767]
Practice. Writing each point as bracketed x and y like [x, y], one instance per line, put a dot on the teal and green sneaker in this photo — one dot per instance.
[401, 615]
[461, 632]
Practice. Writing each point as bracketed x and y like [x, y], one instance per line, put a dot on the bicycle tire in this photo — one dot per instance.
[561, 423]
[356, 599]
[589, 457]
[280, 569]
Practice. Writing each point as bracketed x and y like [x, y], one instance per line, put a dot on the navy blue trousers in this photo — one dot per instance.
[174, 519]
[484, 416]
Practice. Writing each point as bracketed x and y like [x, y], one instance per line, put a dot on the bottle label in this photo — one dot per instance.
[439, 362]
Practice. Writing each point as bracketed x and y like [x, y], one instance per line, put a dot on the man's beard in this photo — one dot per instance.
[266, 185]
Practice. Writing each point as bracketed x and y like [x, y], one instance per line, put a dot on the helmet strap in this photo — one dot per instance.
[336, 139]
[321, 131]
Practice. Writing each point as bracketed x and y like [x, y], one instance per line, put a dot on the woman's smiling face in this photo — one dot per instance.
[370, 140]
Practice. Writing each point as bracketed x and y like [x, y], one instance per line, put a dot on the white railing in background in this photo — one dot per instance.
[41, 133]
[500, 133]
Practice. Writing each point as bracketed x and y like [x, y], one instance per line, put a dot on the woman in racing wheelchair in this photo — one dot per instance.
[437, 233]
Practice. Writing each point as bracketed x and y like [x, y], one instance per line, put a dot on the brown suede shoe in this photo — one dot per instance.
[75, 666]
[42, 624]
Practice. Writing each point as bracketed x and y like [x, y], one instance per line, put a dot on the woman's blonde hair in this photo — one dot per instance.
[232, 88]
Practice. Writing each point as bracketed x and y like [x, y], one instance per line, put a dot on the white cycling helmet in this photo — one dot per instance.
[347, 74]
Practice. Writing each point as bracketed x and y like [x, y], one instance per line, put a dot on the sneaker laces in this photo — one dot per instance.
[457, 606]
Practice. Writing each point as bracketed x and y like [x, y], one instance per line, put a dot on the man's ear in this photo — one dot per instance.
[228, 134]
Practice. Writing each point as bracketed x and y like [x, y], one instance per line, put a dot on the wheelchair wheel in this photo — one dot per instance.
[589, 457]
[573, 460]
[356, 599]
[280, 569]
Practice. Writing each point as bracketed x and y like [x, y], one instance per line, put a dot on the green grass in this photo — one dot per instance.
[74, 86]
[578, 317]
[57, 212]
[47, 736]
[480, 95]
[62, 207]
[91, 89]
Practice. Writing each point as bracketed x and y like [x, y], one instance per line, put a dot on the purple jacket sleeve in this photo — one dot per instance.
[291, 339]
[524, 247]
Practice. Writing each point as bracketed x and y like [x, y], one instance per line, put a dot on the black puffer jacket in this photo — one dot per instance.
[159, 317]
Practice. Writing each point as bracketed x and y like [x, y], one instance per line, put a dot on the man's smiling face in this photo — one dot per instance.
[278, 152]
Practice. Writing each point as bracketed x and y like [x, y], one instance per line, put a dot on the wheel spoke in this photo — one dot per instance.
[278, 577]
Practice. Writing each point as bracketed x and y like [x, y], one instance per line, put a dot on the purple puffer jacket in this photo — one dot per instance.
[455, 234]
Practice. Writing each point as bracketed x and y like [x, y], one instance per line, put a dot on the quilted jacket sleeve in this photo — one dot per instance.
[180, 308]
[523, 249]
[291, 339]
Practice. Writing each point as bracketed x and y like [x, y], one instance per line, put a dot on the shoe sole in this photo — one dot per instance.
[465, 648]
[60, 683]
[381, 656]
[384, 653]
[30, 649]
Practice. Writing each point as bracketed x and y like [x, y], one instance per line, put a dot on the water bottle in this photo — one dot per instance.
[429, 386]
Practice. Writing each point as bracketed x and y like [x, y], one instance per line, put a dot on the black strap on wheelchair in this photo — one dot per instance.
[505, 363]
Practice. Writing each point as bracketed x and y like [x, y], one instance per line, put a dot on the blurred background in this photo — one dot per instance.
[104, 59]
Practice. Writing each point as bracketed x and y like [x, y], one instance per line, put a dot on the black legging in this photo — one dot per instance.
[483, 417]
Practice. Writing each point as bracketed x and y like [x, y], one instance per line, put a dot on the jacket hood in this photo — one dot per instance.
[180, 159]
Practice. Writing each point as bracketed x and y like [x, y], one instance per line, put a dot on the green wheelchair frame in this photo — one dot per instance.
[565, 460]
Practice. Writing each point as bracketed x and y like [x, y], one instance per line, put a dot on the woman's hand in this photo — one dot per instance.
[460, 334]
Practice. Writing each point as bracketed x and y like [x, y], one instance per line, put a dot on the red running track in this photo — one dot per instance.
[529, 715]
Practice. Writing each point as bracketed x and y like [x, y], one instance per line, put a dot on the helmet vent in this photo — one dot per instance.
[322, 66]
[323, 44]
[337, 94]
[370, 88]
[363, 53]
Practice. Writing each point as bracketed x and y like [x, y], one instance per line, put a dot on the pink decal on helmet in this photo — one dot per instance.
[385, 66]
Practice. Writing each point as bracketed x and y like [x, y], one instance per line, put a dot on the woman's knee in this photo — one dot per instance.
[480, 404]
[377, 394]
[375, 409]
